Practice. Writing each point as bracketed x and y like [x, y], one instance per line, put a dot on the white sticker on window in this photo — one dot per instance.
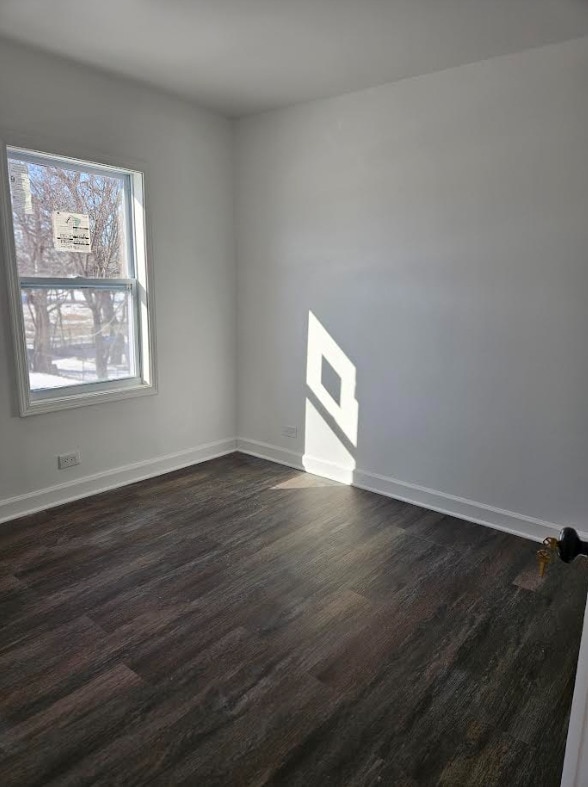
[71, 231]
[20, 187]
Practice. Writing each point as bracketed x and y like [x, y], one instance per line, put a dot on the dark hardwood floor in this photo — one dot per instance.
[241, 623]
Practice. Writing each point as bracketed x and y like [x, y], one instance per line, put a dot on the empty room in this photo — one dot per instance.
[293, 376]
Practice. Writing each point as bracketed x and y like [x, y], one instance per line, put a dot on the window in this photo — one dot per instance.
[78, 281]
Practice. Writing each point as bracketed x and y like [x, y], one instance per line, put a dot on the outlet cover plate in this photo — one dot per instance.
[70, 459]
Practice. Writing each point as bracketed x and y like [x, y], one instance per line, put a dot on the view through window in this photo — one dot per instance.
[74, 228]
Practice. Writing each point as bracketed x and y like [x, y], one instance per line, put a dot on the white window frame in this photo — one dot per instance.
[78, 395]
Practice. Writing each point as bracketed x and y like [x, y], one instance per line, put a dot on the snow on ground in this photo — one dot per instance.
[72, 371]
[39, 380]
[85, 370]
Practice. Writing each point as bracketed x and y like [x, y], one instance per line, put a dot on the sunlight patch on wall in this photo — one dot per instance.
[331, 423]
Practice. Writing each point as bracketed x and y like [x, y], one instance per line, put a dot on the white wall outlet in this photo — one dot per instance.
[289, 431]
[68, 460]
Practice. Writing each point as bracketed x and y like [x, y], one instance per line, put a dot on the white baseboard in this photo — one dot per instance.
[480, 513]
[462, 508]
[14, 507]
[332, 470]
[271, 452]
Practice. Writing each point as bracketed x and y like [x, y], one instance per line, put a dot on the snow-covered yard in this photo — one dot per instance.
[73, 371]
[39, 381]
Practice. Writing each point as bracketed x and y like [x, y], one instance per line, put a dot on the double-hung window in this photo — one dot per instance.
[77, 274]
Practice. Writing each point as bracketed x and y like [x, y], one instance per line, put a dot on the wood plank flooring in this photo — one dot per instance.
[241, 623]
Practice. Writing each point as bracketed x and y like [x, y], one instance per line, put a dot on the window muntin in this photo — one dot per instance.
[82, 314]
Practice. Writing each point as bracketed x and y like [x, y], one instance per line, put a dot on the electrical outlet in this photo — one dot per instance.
[289, 431]
[68, 460]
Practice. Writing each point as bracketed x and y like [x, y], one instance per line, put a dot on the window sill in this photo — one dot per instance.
[85, 398]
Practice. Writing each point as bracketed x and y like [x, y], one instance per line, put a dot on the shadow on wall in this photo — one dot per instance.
[332, 410]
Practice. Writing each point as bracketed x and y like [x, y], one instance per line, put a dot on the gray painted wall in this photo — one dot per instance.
[186, 155]
[438, 228]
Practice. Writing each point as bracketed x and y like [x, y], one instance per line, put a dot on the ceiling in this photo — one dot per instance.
[245, 56]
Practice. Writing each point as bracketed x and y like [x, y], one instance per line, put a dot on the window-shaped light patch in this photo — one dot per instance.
[331, 407]
[322, 347]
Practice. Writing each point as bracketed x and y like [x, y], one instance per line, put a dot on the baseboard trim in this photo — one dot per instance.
[462, 508]
[30, 503]
[336, 472]
[270, 452]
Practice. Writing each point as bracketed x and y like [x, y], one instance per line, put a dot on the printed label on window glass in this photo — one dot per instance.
[20, 187]
[71, 231]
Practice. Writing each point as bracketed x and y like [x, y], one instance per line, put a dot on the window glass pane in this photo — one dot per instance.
[78, 336]
[57, 211]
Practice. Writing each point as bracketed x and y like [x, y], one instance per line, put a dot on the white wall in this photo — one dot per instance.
[438, 228]
[186, 155]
